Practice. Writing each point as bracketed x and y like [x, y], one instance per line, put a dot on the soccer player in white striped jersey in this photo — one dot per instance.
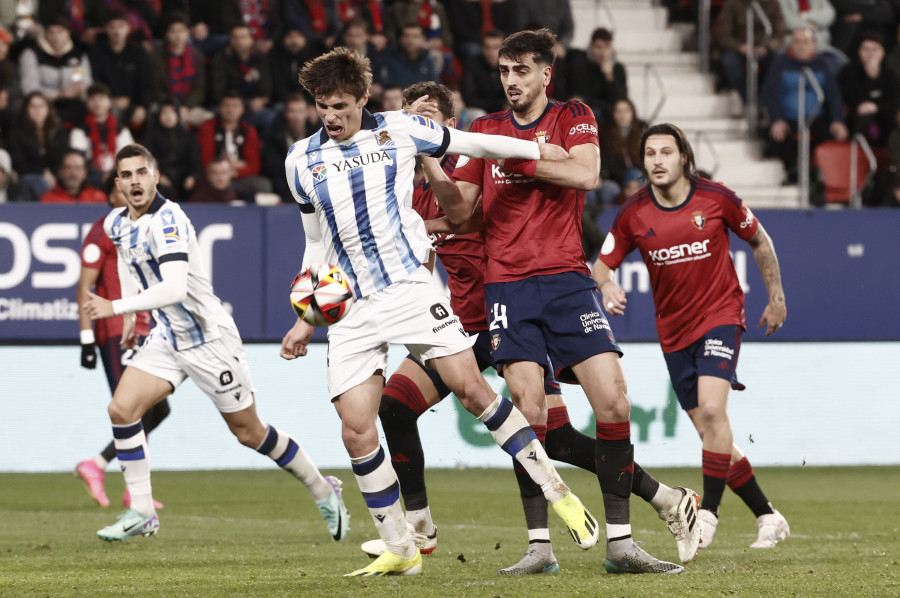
[194, 337]
[353, 180]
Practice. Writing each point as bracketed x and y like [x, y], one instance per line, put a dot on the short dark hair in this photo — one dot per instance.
[539, 44]
[493, 33]
[98, 88]
[601, 34]
[436, 91]
[340, 71]
[116, 15]
[134, 150]
[177, 16]
[681, 141]
[872, 36]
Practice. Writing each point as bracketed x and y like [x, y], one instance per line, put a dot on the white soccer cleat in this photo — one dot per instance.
[426, 543]
[682, 521]
[708, 523]
[773, 528]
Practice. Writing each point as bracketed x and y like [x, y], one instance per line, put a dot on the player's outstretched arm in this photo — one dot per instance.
[775, 312]
[481, 145]
[171, 289]
[614, 299]
[579, 169]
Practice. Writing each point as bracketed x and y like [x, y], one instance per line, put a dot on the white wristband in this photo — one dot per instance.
[87, 337]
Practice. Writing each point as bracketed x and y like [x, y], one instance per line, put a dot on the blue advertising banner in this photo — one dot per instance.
[839, 277]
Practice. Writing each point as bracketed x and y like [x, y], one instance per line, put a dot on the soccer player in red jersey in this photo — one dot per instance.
[541, 299]
[99, 271]
[680, 224]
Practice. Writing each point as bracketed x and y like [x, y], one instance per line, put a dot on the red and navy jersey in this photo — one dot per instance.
[98, 252]
[695, 286]
[461, 255]
[531, 228]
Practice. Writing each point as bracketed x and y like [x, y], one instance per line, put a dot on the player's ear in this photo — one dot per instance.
[363, 100]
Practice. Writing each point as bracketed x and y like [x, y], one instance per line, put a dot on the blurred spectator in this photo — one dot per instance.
[215, 185]
[262, 17]
[83, 18]
[632, 183]
[142, 17]
[100, 136]
[870, 92]
[355, 37]
[370, 12]
[620, 141]
[176, 151]
[10, 86]
[179, 71]
[207, 24]
[229, 136]
[37, 141]
[597, 78]
[293, 124]
[430, 15]
[480, 85]
[71, 183]
[556, 15]
[731, 38]
[818, 15]
[892, 61]
[471, 20]
[240, 68]
[408, 62]
[780, 97]
[59, 70]
[20, 18]
[465, 115]
[10, 189]
[317, 20]
[123, 67]
[289, 54]
[392, 98]
[856, 16]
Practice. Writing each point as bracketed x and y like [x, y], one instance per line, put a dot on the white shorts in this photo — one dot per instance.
[218, 367]
[412, 312]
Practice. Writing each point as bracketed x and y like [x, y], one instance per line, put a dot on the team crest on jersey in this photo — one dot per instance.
[171, 234]
[385, 139]
[319, 172]
[698, 220]
[542, 137]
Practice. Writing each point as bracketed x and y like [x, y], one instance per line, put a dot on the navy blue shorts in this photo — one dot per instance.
[482, 349]
[555, 315]
[714, 354]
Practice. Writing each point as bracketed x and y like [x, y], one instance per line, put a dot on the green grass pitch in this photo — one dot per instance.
[257, 533]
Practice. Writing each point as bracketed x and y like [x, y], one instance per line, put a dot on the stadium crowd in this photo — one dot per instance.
[212, 90]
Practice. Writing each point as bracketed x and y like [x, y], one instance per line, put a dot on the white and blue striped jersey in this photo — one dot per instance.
[164, 234]
[361, 191]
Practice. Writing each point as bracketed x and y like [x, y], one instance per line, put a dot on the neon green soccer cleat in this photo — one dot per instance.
[390, 564]
[582, 525]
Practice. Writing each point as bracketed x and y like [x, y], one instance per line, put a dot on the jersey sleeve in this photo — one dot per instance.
[96, 247]
[428, 136]
[617, 244]
[739, 217]
[581, 126]
[292, 167]
[170, 234]
[469, 169]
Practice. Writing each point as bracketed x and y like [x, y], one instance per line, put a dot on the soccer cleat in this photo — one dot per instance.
[334, 511]
[538, 559]
[426, 543]
[631, 558]
[93, 478]
[773, 528]
[390, 563]
[682, 522]
[708, 523]
[126, 501]
[130, 523]
[582, 525]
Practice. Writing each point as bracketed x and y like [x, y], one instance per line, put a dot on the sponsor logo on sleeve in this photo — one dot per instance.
[583, 128]
[171, 234]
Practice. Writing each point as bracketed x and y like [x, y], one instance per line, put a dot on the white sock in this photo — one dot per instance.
[665, 498]
[290, 456]
[381, 490]
[100, 462]
[511, 431]
[541, 533]
[621, 531]
[134, 458]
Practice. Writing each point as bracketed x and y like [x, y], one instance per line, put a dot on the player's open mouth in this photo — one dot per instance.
[513, 94]
[137, 193]
[334, 130]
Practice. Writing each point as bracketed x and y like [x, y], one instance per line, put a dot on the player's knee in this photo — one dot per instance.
[391, 411]
[120, 414]
[473, 395]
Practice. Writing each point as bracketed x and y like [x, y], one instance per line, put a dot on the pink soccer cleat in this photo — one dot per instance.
[126, 501]
[93, 478]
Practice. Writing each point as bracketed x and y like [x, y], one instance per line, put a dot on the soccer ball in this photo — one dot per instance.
[321, 294]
